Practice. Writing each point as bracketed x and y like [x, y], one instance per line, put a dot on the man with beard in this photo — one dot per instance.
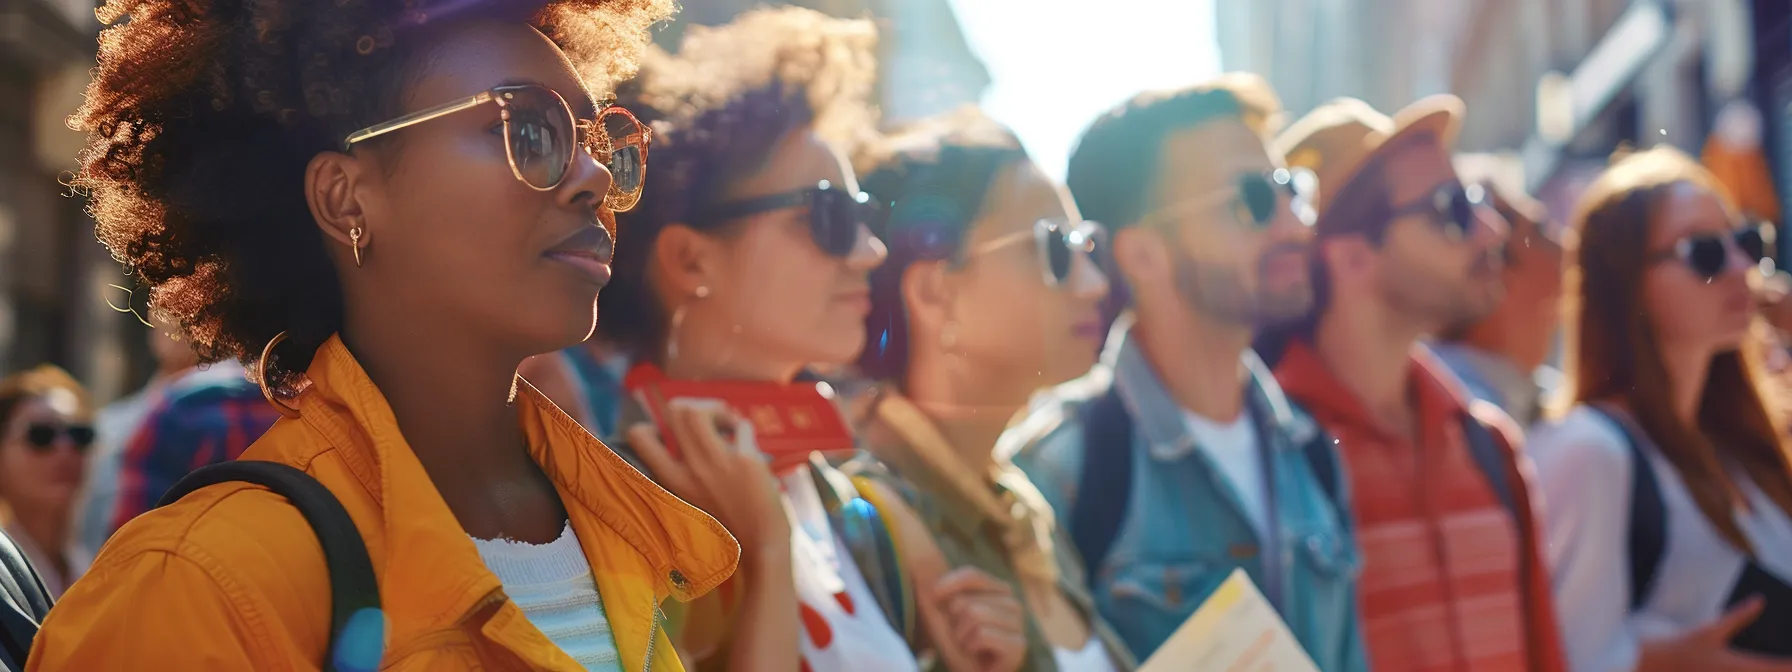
[1503, 356]
[1178, 459]
[1453, 577]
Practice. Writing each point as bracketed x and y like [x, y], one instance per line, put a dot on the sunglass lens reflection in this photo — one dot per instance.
[628, 159]
[540, 133]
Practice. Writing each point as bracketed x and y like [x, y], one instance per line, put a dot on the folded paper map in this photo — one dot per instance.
[1236, 630]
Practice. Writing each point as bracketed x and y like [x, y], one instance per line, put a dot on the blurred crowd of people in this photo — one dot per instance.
[1436, 429]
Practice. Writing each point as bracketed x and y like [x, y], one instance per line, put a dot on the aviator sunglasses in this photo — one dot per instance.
[41, 436]
[835, 215]
[1056, 243]
[1708, 254]
[541, 135]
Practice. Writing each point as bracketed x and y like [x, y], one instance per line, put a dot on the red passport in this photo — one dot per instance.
[790, 420]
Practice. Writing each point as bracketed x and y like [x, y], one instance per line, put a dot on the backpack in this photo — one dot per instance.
[1105, 486]
[1647, 535]
[854, 517]
[23, 605]
[1648, 528]
[357, 627]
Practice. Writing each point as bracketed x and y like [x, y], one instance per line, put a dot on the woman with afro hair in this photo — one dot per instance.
[382, 207]
[744, 267]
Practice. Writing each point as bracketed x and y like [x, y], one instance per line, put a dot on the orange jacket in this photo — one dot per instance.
[232, 578]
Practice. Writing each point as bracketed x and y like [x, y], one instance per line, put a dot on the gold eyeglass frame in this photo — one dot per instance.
[617, 200]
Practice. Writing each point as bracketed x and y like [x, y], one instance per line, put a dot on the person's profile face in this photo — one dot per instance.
[1692, 306]
[43, 451]
[1440, 262]
[453, 233]
[776, 293]
[1235, 265]
[1006, 316]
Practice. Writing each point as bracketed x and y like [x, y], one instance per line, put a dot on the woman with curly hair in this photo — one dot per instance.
[383, 207]
[990, 293]
[744, 265]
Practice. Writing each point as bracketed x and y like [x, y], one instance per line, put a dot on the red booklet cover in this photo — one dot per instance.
[790, 420]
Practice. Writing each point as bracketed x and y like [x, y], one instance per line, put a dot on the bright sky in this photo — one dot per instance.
[1058, 63]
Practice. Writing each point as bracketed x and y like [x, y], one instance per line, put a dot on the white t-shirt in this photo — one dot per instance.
[843, 628]
[1585, 467]
[553, 585]
[1233, 448]
[1093, 657]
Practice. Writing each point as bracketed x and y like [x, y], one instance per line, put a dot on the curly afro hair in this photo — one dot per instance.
[203, 115]
[718, 108]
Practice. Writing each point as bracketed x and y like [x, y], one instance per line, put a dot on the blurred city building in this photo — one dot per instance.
[1564, 82]
[52, 275]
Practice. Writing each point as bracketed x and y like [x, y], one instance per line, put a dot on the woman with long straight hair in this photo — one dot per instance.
[743, 268]
[1668, 485]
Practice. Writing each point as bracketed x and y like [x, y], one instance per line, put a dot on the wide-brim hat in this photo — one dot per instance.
[1338, 138]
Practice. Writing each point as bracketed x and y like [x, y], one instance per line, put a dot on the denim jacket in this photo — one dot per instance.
[1184, 530]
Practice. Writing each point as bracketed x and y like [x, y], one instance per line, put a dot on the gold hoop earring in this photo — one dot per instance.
[261, 377]
[354, 239]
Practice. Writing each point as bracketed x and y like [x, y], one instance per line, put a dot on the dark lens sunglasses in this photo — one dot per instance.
[835, 215]
[1451, 207]
[1056, 243]
[1259, 194]
[1708, 254]
[42, 436]
[1255, 198]
[542, 138]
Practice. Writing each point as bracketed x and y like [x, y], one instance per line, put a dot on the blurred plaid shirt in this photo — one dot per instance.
[208, 417]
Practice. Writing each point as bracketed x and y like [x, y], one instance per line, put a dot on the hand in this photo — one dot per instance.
[719, 475]
[985, 618]
[1707, 649]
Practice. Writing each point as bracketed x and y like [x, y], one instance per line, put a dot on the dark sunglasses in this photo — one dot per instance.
[42, 436]
[541, 136]
[835, 215]
[1708, 254]
[1259, 194]
[1056, 243]
[1451, 207]
[1255, 198]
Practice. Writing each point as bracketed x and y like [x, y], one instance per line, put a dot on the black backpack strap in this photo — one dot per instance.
[23, 605]
[1105, 486]
[1647, 531]
[353, 585]
[1490, 459]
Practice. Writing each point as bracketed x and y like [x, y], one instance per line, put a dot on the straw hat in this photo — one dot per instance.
[1338, 138]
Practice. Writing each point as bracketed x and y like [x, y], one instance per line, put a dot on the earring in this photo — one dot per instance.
[261, 378]
[677, 321]
[948, 335]
[354, 239]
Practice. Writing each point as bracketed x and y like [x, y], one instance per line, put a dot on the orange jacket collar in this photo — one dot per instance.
[690, 552]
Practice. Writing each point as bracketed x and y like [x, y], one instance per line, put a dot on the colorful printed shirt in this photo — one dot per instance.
[207, 417]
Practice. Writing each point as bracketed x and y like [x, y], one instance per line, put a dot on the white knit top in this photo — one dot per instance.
[553, 585]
